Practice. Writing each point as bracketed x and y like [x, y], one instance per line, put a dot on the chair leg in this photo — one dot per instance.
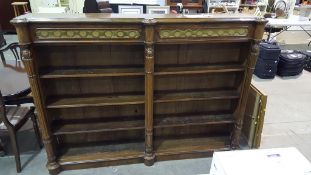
[36, 129]
[13, 138]
[2, 57]
[15, 53]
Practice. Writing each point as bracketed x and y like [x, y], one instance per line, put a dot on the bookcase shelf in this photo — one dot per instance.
[91, 101]
[191, 146]
[101, 152]
[91, 71]
[194, 95]
[197, 69]
[161, 121]
[79, 127]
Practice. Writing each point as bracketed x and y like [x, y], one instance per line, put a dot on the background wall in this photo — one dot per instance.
[77, 5]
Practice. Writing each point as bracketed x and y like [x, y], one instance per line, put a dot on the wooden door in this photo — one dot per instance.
[254, 117]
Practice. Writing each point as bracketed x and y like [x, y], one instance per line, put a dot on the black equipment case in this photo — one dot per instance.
[267, 61]
[308, 60]
[291, 64]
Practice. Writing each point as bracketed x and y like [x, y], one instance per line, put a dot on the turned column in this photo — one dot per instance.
[149, 83]
[251, 60]
[29, 61]
[239, 116]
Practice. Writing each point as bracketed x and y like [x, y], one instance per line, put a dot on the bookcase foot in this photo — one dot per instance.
[149, 160]
[54, 168]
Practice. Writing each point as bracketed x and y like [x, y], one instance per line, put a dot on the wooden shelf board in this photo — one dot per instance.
[197, 69]
[89, 101]
[192, 120]
[195, 95]
[91, 71]
[97, 126]
[169, 120]
[166, 147]
[96, 152]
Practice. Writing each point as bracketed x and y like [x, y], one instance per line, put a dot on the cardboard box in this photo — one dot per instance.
[279, 161]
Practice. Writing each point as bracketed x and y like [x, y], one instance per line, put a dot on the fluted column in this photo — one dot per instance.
[29, 63]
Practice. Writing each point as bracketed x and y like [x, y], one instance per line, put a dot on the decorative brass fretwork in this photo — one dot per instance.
[199, 33]
[43, 34]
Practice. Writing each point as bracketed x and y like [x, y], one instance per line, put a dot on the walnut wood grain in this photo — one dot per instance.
[168, 120]
[91, 71]
[196, 95]
[100, 100]
[199, 69]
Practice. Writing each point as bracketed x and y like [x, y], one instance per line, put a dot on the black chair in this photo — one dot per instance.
[90, 6]
[4, 47]
[13, 117]
[14, 49]
[2, 40]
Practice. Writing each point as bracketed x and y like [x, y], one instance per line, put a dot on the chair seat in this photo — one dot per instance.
[15, 115]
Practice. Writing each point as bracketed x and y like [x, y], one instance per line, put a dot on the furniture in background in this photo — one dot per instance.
[20, 5]
[230, 5]
[133, 99]
[253, 8]
[90, 6]
[158, 10]
[13, 117]
[130, 9]
[93, 6]
[285, 24]
[115, 7]
[6, 14]
[70, 6]
[104, 6]
[196, 5]
[13, 47]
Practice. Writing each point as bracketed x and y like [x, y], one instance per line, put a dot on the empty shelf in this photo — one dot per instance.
[88, 101]
[162, 96]
[76, 72]
[197, 69]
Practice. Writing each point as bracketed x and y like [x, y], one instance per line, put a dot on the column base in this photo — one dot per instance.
[54, 168]
[149, 159]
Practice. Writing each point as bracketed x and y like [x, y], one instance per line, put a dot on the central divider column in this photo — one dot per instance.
[149, 71]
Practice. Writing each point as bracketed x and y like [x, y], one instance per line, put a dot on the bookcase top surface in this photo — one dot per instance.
[122, 18]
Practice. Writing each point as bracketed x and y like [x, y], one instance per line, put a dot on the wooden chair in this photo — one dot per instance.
[13, 117]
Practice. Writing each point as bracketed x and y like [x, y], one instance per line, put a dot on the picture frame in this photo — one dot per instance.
[158, 10]
[130, 9]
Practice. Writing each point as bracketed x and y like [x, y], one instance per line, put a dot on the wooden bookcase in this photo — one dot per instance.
[114, 89]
